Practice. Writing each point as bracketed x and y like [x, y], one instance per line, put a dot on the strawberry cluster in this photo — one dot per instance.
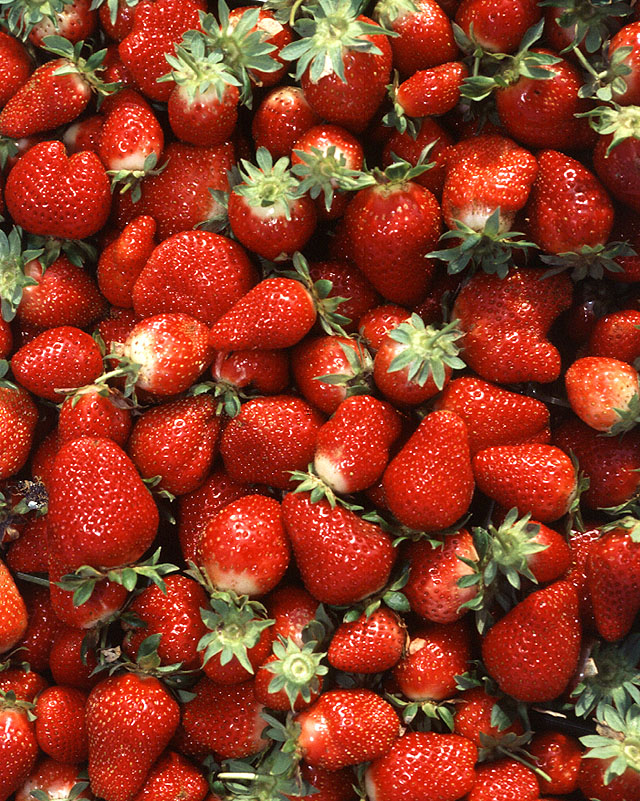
[319, 400]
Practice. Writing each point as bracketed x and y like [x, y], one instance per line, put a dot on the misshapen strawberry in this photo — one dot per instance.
[122, 261]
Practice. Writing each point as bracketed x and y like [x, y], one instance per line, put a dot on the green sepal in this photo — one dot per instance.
[21, 17]
[589, 20]
[589, 262]
[325, 173]
[296, 669]
[622, 122]
[330, 319]
[88, 68]
[13, 280]
[618, 739]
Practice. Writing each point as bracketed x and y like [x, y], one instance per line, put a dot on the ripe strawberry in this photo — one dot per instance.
[75, 21]
[495, 25]
[281, 118]
[616, 336]
[224, 719]
[627, 36]
[615, 161]
[18, 418]
[57, 359]
[122, 261]
[6, 339]
[432, 589]
[369, 644]
[505, 779]
[237, 373]
[430, 92]
[28, 554]
[18, 746]
[493, 415]
[171, 351]
[558, 755]
[130, 720]
[176, 441]
[24, 683]
[378, 321]
[410, 149]
[95, 411]
[244, 548]
[106, 516]
[157, 27]
[533, 651]
[345, 727]
[83, 134]
[60, 725]
[14, 615]
[474, 713]
[66, 659]
[392, 224]
[613, 579]
[291, 678]
[56, 780]
[537, 479]
[341, 557]
[292, 609]
[173, 776]
[334, 785]
[429, 484]
[343, 64]
[16, 66]
[42, 627]
[178, 198]
[423, 766]
[593, 784]
[507, 319]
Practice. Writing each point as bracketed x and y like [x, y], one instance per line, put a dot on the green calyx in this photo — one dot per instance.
[489, 250]
[296, 670]
[131, 180]
[197, 70]
[318, 490]
[591, 20]
[112, 5]
[330, 319]
[235, 625]
[426, 351]
[611, 677]
[428, 715]
[356, 381]
[618, 739]
[268, 185]
[21, 16]
[333, 30]
[82, 582]
[8, 700]
[272, 776]
[88, 68]
[590, 261]
[324, 173]
[8, 149]
[605, 76]
[503, 553]
[622, 122]
[76, 791]
[125, 368]
[76, 250]
[386, 12]
[628, 418]
[12, 276]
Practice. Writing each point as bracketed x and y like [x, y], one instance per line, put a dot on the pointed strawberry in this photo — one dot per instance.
[60, 725]
[18, 418]
[428, 92]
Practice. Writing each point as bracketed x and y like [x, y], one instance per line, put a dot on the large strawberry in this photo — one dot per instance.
[370, 644]
[18, 417]
[18, 745]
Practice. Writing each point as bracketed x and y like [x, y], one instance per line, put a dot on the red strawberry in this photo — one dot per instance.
[507, 319]
[616, 335]
[369, 644]
[25, 684]
[173, 776]
[57, 359]
[83, 134]
[537, 479]
[377, 322]
[474, 713]
[291, 678]
[66, 659]
[292, 608]
[122, 261]
[436, 654]
[497, 26]
[334, 785]
[429, 484]
[281, 118]
[558, 755]
[74, 21]
[14, 611]
[615, 161]
[505, 779]
[52, 195]
[493, 415]
[627, 36]
[423, 766]
[105, 516]
[237, 373]
[60, 725]
[29, 553]
[6, 339]
[95, 411]
[533, 651]
[171, 351]
[18, 418]
[345, 727]
[341, 557]
[175, 614]
[404, 146]
[18, 746]
[130, 720]
[430, 92]
[42, 628]
[244, 548]
[603, 392]
[16, 66]
[56, 780]
[268, 439]
[176, 441]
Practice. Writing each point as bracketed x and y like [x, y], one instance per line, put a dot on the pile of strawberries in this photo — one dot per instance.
[319, 400]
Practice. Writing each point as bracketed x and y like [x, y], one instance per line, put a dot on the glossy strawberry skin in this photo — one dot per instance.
[18, 749]
[173, 776]
[292, 608]
[18, 418]
[342, 558]
[53, 777]
[432, 92]
[534, 649]
[497, 25]
[559, 756]
[60, 724]
[616, 336]
[95, 414]
[204, 119]
[281, 118]
[410, 149]
[368, 645]
[105, 516]
[598, 387]
[122, 261]
[14, 612]
[16, 66]
[505, 779]
[618, 168]
[591, 781]
[473, 717]
[66, 663]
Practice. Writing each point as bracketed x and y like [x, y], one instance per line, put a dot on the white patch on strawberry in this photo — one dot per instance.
[476, 217]
[240, 582]
[326, 469]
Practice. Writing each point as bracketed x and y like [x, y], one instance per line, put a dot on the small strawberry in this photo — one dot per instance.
[14, 615]
[173, 776]
[18, 745]
[616, 336]
[18, 418]
[237, 374]
[55, 780]
[292, 609]
[533, 651]
[281, 118]
[16, 66]
[369, 644]
[122, 261]
[505, 779]
[292, 677]
[95, 411]
[495, 25]
[404, 146]
[475, 718]
[558, 755]
[60, 725]
[68, 667]
[428, 92]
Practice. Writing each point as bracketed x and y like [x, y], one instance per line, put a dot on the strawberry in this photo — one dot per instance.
[292, 609]
[593, 784]
[506, 321]
[175, 615]
[268, 211]
[16, 66]
[368, 644]
[122, 261]
[130, 720]
[236, 373]
[494, 415]
[424, 34]
[615, 335]
[6, 339]
[345, 727]
[378, 321]
[18, 745]
[497, 26]
[268, 439]
[627, 36]
[176, 441]
[474, 715]
[74, 21]
[534, 649]
[348, 283]
[615, 155]
[537, 479]
[613, 580]
[106, 517]
[170, 351]
[603, 392]
[157, 27]
[423, 766]
[410, 149]
[343, 64]
[60, 725]
[83, 134]
[291, 678]
[18, 418]
[223, 719]
[173, 776]
[429, 484]
[244, 548]
[392, 224]
[352, 449]
[505, 779]
[341, 557]
[57, 359]
[334, 785]
[559, 756]
[29, 553]
[42, 627]
[281, 118]
[429, 92]
[66, 659]
[55, 780]
[94, 411]
[270, 33]
[435, 568]
[52, 195]
[24, 683]
[178, 198]
[14, 616]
